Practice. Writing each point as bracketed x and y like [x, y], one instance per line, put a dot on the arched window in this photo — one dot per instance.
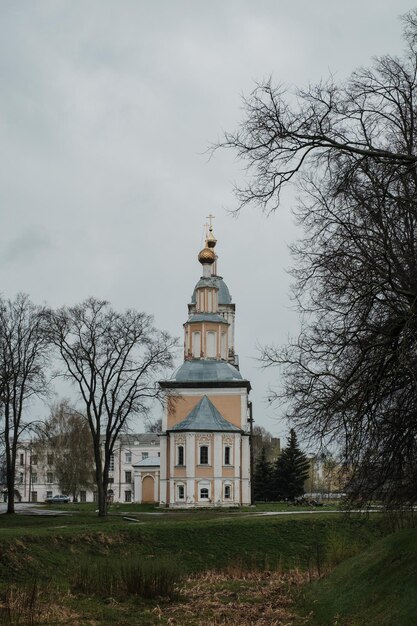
[181, 492]
[223, 346]
[180, 455]
[227, 491]
[196, 345]
[203, 455]
[211, 349]
[227, 455]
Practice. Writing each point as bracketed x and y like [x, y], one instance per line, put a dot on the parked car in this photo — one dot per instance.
[59, 499]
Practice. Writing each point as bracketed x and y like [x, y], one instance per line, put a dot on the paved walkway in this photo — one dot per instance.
[28, 508]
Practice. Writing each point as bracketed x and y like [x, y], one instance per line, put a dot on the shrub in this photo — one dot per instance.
[120, 578]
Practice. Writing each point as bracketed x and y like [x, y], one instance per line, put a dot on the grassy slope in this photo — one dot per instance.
[56, 546]
[376, 588]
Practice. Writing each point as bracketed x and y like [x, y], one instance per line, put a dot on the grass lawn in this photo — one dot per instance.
[378, 587]
[81, 569]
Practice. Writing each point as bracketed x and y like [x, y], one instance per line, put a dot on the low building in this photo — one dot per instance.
[36, 477]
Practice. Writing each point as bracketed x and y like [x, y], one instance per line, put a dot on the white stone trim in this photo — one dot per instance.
[217, 462]
[190, 455]
[163, 470]
[172, 459]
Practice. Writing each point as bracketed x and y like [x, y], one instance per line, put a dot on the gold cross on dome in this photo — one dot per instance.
[210, 217]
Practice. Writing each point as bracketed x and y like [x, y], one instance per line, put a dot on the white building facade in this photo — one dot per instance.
[36, 476]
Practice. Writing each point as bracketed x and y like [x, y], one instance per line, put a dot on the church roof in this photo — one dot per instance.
[198, 370]
[224, 296]
[153, 461]
[207, 317]
[204, 416]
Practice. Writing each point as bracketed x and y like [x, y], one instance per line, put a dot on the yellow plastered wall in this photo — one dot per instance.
[228, 472]
[228, 406]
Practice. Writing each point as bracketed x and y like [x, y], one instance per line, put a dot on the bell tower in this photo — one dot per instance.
[205, 438]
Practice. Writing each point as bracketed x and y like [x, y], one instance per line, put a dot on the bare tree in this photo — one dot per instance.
[113, 358]
[154, 426]
[263, 440]
[24, 351]
[350, 376]
[67, 432]
[286, 134]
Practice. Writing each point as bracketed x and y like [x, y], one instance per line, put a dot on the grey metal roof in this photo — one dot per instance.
[143, 439]
[214, 281]
[153, 461]
[199, 370]
[205, 417]
[207, 317]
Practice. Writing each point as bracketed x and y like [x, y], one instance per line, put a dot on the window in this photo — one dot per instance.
[34, 459]
[181, 492]
[34, 496]
[223, 346]
[204, 455]
[21, 478]
[111, 463]
[227, 455]
[180, 455]
[22, 457]
[49, 494]
[128, 457]
[145, 455]
[204, 493]
[95, 496]
[111, 480]
[196, 345]
[211, 350]
[128, 496]
[159, 454]
[83, 496]
[128, 477]
[227, 492]
[49, 477]
[50, 459]
[34, 477]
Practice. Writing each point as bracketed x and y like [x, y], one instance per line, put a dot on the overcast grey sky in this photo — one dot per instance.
[106, 111]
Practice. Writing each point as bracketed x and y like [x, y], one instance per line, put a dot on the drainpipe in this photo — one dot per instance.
[250, 420]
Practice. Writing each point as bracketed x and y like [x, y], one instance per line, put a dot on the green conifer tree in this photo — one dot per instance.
[290, 471]
[262, 477]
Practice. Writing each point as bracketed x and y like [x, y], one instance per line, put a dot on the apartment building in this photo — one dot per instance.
[36, 472]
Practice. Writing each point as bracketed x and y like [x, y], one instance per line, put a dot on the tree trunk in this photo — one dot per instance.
[10, 465]
[101, 478]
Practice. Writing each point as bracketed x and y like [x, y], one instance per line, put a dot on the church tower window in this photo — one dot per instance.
[180, 455]
[204, 455]
[196, 345]
[223, 346]
[227, 455]
[211, 345]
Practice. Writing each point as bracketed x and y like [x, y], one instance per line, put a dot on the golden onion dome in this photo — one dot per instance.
[211, 241]
[206, 256]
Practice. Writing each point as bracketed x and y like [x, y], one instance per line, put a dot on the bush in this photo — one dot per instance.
[121, 578]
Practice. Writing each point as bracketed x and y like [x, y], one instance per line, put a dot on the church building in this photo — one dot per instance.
[205, 442]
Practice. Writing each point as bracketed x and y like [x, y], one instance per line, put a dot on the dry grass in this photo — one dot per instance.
[31, 605]
[236, 598]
